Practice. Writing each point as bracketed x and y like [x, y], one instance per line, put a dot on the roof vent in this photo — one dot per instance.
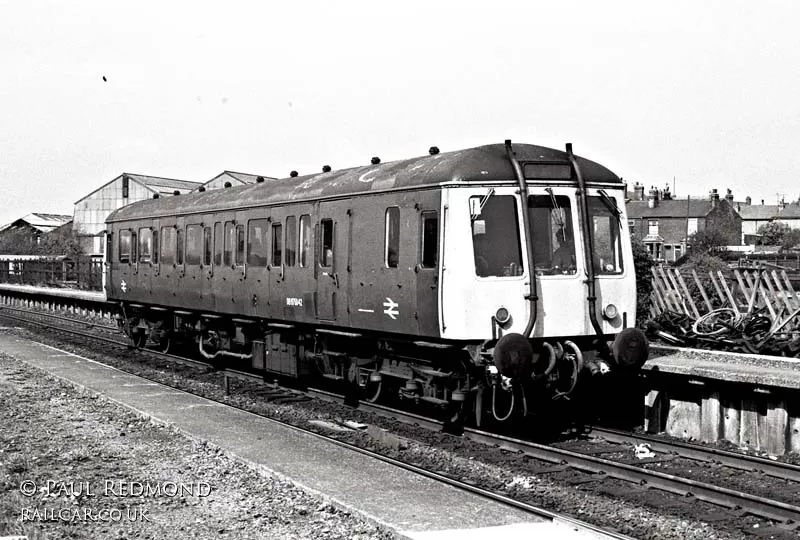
[259, 179]
[376, 160]
[433, 150]
[176, 192]
[201, 189]
[326, 168]
[293, 174]
[156, 195]
[228, 184]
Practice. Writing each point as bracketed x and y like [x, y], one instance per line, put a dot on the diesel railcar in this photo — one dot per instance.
[488, 278]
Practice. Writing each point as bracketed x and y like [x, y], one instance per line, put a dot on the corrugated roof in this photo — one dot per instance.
[670, 208]
[152, 181]
[482, 164]
[39, 221]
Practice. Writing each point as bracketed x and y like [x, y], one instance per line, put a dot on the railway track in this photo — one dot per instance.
[283, 395]
[587, 462]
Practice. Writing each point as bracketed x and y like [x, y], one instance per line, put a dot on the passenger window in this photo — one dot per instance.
[291, 241]
[277, 244]
[230, 242]
[326, 243]
[155, 246]
[145, 245]
[257, 242]
[553, 235]
[240, 245]
[392, 242]
[207, 246]
[194, 244]
[305, 239]
[430, 239]
[124, 246]
[218, 244]
[178, 246]
[168, 243]
[134, 245]
[495, 235]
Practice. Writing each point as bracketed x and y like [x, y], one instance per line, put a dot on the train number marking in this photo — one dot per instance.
[391, 308]
[123, 286]
[295, 302]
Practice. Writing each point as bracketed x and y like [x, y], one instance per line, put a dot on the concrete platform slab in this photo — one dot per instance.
[53, 291]
[750, 369]
[404, 501]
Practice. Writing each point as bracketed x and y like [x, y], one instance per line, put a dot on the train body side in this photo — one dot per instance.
[338, 275]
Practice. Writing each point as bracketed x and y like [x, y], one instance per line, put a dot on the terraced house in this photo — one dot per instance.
[664, 223]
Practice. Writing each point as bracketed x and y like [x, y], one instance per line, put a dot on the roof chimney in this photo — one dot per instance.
[666, 194]
[714, 198]
[652, 197]
[748, 200]
[638, 192]
[729, 196]
[782, 204]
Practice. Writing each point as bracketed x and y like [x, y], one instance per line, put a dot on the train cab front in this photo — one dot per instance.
[539, 337]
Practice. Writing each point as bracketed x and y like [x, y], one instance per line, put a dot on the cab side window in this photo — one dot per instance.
[429, 241]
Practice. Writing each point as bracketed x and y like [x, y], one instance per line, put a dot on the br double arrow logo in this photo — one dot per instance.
[391, 308]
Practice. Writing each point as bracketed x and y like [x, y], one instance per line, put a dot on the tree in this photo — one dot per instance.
[776, 233]
[60, 241]
[710, 241]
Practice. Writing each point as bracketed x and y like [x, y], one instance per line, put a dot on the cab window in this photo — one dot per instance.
[605, 224]
[553, 235]
[495, 235]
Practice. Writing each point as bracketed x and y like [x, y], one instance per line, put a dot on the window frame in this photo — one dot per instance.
[426, 216]
[391, 219]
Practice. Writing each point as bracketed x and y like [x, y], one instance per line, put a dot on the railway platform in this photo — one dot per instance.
[91, 296]
[752, 401]
[413, 506]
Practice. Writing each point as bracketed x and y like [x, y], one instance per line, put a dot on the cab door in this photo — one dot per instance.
[332, 272]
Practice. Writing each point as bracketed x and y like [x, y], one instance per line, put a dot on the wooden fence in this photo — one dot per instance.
[743, 291]
[79, 272]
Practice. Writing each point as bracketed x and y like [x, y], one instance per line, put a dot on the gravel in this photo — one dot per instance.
[57, 434]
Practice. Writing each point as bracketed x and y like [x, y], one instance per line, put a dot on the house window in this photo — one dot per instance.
[652, 227]
[632, 226]
[691, 225]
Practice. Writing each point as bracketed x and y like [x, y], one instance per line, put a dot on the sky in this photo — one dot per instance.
[700, 94]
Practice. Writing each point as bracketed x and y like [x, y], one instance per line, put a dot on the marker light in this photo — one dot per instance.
[502, 316]
[610, 312]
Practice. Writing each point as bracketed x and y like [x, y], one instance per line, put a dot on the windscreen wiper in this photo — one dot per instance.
[610, 203]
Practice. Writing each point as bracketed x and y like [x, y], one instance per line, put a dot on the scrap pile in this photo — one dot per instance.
[764, 320]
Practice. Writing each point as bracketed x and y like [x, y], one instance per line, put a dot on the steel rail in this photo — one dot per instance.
[735, 460]
[732, 499]
[721, 496]
[436, 476]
